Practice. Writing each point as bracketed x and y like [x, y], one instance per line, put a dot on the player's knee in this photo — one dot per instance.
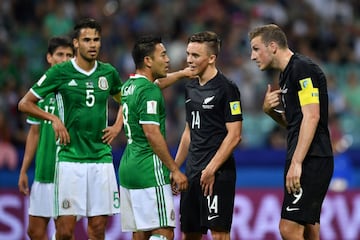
[36, 233]
[96, 232]
[216, 235]
[65, 235]
[286, 232]
[159, 237]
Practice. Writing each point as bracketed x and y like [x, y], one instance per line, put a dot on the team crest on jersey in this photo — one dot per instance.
[66, 204]
[206, 102]
[103, 83]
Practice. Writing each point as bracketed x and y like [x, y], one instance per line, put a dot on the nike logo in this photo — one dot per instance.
[212, 217]
[188, 100]
[289, 209]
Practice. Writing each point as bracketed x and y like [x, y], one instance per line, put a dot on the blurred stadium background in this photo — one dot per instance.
[326, 30]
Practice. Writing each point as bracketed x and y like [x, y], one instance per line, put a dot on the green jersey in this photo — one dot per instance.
[143, 103]
[82, 99]
[46, 149]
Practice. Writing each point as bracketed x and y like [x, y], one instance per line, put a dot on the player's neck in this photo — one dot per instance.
[145, 73]
[84, 64]
[284, 59]
[207, 75]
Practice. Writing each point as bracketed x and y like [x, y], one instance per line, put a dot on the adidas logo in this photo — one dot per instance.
[72, 83]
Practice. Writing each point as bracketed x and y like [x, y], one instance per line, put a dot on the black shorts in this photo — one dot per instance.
[305, 206]
[199, 213]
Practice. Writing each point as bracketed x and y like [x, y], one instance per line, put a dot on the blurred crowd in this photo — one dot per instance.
[326, 30]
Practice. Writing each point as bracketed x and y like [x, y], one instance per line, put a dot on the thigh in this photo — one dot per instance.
[42, 200]
[38, 225]
[71, 189]
[103, 193]
[304, 207]
[147, 209]
[126, 212]
[190, 208]
[217, 209]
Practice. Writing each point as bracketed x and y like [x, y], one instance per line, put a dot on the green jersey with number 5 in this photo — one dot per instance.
[143, 103]
[82, 99]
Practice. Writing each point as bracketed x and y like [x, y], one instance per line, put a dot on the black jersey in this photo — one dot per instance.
[208, 109]
[303, 82]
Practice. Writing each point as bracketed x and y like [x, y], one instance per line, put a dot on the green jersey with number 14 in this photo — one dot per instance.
[82, 99]
[143, 103]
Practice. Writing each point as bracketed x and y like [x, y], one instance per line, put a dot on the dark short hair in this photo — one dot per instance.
[86, 23]
[210, 38]
[59, 41]
[270, 33]
[144, 46]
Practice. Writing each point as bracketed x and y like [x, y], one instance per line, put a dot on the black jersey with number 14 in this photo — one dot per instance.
[208, 109]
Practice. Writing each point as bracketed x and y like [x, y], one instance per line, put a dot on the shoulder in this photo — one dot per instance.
[303, 67]
[61, 67]
[302, 62]
[191, 83]
[102, 66]
[59, 71]
[225, 82]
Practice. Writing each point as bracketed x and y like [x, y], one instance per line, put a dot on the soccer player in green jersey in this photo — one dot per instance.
[85, 180]
[41, 139]
[146, 200]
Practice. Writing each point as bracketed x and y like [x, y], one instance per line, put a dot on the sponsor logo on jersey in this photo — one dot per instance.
[72, 83]
[103, 83]
[151, 107]
[235, 108]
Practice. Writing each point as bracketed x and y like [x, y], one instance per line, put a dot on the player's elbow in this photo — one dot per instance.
[237, 139]
[22, 105]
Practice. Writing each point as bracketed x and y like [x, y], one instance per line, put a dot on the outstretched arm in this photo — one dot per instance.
[173, 77]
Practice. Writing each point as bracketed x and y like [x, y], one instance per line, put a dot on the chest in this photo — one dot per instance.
[85, 90]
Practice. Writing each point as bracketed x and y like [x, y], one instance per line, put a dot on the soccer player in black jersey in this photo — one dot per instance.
[212, 132]
[309, 160]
